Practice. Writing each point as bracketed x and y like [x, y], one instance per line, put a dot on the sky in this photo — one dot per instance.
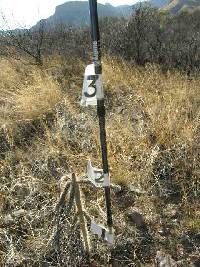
[25, 13]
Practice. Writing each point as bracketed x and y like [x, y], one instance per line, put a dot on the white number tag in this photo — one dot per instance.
[92, 87]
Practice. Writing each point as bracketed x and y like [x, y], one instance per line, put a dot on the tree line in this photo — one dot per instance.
[151, 36]
[148, 36]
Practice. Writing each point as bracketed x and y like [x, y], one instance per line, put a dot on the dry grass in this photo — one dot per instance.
[26, 93]
[153, 140]
[152, 114]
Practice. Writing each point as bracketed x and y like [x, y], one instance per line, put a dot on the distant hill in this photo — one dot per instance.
[76, 12]
[176, 6]
[159, 3]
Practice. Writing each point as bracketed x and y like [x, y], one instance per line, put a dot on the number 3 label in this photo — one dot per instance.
[91, 86]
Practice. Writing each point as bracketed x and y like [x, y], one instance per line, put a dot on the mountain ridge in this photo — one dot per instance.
[76, 12]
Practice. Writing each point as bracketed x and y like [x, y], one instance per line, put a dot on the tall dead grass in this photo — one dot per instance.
[153, 140]
[153, 125]
[153, 118]
[27, 92]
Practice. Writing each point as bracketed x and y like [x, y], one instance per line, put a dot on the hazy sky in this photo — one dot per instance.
[28, 12]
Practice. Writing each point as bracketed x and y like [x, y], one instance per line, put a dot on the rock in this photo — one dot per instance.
[116, 188]
[20, 191]
[171, 211]
[164, 260]
[164, 231]
[18, 213]
[12, 218]
[119, 110]
[6, 221]
[136, 190]
[136, 217]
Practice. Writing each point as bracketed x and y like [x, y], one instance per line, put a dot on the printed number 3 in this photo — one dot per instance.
[92, 90]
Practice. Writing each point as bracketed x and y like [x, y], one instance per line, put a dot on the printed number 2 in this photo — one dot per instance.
[92, 85]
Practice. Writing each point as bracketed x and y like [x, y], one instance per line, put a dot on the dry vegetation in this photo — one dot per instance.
[153, 138]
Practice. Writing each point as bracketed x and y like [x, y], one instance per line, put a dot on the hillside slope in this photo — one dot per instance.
[153, 142]
[176, 6]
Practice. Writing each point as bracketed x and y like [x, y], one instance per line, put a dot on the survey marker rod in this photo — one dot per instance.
[100, 106]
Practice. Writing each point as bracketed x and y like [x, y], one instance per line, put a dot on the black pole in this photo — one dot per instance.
[100, 105]
[95, 36]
